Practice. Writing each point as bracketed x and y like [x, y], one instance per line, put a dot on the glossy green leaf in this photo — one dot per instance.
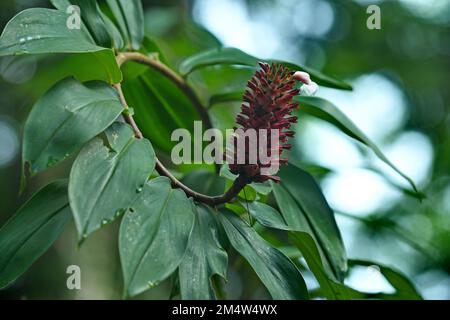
[66, 117]
[305, 209]
[61, 4]
[214, 57]
[155, 123]
[32, 230]
[204, 258]
[235, 56]
[154, 235]
[171, 99]
[327, 111]
[263, 188]
[271, 218]
[280, 276]
[152, 48]
[89, 66]
[117, 39]
[129, 16]
[119, 19]
[307, 246]
[134, 17]
[107, 176]
[92, 18]
[40, 30]
[267, 216]
[405, 289]
[82, 66]
[99, 23]
[160, 108]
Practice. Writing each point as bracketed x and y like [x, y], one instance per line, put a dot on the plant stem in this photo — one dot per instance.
[128, 117]
[234, 190]
[171, 75]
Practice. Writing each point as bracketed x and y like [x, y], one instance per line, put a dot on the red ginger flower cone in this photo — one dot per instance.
[267, 104]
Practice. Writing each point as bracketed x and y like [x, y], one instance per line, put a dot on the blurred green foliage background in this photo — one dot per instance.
[401, 100]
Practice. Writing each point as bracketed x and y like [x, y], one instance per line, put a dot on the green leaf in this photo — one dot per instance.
[205, 182]
[89, 66]
[315, 170]
[271, 218]
[40, 30]
[225, 97]
[214, 57]
[419, 195]
[404, 287]
[200, 36]
[32, 230]
[327, 111]
[61, 4]
[204, 258]
[263, 188]
[151, 47]
[160, 108]
[119, 19]
[171, 99]
[237, 57]
[129, 16]
[92, 17]
[107, 176]
[305, 209]
[154, 235]
[280, 276]
[84, 67]
[155, 123]
[134, 17]
[267, 216]
[307, 246]
[114, 32]
[97, 19]
[65, 118]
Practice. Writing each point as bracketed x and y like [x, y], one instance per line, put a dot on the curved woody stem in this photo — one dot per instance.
[137, 57]
[240, 181]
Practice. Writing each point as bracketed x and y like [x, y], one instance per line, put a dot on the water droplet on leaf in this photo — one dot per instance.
[52, 161]
[119, 213]
[152, 284]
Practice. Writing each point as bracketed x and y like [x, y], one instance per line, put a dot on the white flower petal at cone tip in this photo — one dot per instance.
[302, 77]
[309, 89]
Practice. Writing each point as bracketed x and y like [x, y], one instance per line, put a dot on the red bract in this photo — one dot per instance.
[267, 104]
